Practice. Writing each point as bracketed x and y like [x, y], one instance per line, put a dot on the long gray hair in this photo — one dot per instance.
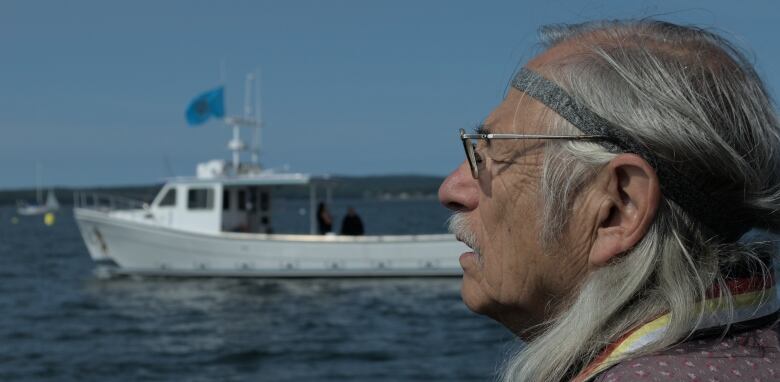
[696, 101]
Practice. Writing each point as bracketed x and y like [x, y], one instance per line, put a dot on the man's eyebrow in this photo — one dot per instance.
[482, 129]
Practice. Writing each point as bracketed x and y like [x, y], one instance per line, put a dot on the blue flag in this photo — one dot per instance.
[208, 104]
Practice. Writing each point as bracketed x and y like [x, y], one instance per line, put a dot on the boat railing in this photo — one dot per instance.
[104, 202]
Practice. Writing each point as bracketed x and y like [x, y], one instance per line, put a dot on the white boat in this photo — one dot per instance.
[51, 205]
[217, 224]
[39, 208]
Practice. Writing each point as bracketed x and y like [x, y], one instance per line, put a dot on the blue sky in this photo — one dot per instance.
[95, 91]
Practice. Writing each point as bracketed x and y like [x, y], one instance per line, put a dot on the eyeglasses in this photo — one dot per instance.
[475, 160]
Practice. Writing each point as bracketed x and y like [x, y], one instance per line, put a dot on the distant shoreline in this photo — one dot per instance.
[383, 187]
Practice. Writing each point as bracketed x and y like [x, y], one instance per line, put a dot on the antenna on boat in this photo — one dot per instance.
[236, 145]
[255, 148]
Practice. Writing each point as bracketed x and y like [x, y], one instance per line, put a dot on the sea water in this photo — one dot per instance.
[60, 320]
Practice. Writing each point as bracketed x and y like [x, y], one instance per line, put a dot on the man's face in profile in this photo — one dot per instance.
[509, 276]
[508, 271]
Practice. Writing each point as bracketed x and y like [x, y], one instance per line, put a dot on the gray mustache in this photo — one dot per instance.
[458, 225]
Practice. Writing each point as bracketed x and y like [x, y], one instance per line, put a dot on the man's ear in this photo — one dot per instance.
[631, 194]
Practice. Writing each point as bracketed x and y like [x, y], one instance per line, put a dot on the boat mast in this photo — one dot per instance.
[236, 145]
[255, 148]
[38, 195]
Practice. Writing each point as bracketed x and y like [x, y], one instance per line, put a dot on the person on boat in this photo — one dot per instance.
[605, 199]
[265, 225]
[352, 224]
[324, 219]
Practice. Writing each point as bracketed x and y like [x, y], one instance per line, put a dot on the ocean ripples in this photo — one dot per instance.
[67, 320]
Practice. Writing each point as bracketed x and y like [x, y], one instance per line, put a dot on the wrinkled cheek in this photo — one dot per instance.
[510, 282]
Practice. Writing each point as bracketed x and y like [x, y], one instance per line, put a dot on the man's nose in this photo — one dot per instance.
[460, 191]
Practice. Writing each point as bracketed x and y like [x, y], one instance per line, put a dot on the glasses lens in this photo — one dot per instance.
[468, 146]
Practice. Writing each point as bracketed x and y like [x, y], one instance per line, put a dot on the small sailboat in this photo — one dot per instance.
[39, 208]
[51, 205]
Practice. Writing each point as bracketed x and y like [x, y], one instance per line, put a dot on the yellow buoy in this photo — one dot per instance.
[48, 219]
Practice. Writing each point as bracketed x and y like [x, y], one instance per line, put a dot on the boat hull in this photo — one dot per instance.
[139, 247]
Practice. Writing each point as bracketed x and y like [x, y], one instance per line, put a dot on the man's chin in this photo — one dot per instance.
[473, 297]
[519, 321]
[479, 302]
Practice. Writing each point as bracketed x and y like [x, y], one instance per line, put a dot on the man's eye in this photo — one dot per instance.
[477, 157]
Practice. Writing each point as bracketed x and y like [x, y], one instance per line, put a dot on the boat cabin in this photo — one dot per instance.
[225, 204]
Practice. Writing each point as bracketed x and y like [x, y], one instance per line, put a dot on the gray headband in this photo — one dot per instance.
[711, 210]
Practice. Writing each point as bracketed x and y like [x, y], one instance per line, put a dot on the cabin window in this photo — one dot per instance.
[200, 198]
[264, 201]
[252, 205]
[169, 199]
[241, 200]
[225, 200]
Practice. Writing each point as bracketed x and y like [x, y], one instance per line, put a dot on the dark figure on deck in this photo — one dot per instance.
[266, 225]
[324, 220]
[352, 225]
